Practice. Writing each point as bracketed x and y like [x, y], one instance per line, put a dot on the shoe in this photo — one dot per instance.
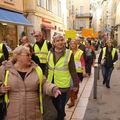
[70, 105]
[107, 86]
[103, 82]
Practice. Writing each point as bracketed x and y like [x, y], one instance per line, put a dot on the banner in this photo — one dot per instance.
[95, 35]
[70, 34]
[87, 32]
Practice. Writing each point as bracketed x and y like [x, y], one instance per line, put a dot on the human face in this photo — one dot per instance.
[59, 43]
[25, 58]
[73, 45]
[38, 36]
[24, 40]
[109, 43]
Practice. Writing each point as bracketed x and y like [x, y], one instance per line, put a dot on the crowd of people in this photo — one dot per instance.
[42, 76]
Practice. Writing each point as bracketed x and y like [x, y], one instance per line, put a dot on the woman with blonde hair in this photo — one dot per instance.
[23, 85]
[80, 68]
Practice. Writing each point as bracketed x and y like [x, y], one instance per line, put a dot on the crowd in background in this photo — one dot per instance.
[64, 64]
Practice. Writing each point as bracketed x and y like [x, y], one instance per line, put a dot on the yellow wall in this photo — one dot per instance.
[17, 5]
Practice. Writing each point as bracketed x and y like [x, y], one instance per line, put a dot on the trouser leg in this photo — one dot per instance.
[59, 104]
[109, 76]
[104, 73]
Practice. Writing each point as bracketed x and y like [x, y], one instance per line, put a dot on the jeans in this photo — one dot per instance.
[59, 104]
[106, 72]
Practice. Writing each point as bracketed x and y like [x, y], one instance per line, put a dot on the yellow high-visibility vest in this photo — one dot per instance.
[113, 52]
[1, 50]
[42, 54]
[83, 42]
[40, 76]
[60, 70]
[77, 57]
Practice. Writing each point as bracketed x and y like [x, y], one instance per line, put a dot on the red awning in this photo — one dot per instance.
[48, 26]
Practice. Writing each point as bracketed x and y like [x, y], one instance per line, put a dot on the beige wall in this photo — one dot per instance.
[17, 5]
[32, 7]
[35, 14]
[84, 3]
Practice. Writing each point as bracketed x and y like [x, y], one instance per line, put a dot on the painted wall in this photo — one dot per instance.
[16, 5]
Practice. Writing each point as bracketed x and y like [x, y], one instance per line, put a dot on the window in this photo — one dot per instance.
[42, 3]
[81, 10]
[49, 5]
[54, 9]
[59, 8]
[9, 1]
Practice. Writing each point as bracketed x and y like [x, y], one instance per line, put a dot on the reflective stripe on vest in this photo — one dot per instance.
[40, 76]
[42, 54]
[104, 52]
[1, 50]
[77, 57]
[60, 71]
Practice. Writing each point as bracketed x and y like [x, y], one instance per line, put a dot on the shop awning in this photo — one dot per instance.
[7, 16]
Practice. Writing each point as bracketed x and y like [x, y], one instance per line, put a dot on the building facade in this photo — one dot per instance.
[12, 21]
[80, 16]
[83, 16]
[49, 16]
[108, 19]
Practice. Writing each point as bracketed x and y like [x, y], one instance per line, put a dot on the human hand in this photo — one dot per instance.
[84, 74]
[4, 89]
[56, 92]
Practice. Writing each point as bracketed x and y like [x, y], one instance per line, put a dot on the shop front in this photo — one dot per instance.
[46, 28]
[10, 24]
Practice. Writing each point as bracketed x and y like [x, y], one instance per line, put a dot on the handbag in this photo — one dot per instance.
[50, 112]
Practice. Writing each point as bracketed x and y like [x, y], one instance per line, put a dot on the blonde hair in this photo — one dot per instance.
[18, 50]
[109, 41]
[73, 41]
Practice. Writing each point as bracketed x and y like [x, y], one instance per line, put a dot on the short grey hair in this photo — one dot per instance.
[57, 36]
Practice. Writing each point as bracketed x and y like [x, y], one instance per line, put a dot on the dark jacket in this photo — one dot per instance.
[5, 54]
[108, 57]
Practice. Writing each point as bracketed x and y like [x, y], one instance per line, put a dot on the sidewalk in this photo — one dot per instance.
[107, 104]
[77, 112]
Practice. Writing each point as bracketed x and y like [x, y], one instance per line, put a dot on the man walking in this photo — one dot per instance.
[61, 68]
[41, 48]
[108, 56]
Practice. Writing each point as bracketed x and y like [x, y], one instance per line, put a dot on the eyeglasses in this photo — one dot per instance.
[36, 35]
[28, 55]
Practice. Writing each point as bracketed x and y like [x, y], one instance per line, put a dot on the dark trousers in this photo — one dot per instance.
[59, 104]
[106, 72]
[88, 64]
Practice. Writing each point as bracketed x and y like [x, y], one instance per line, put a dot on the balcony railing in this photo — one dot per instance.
[85, 15]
